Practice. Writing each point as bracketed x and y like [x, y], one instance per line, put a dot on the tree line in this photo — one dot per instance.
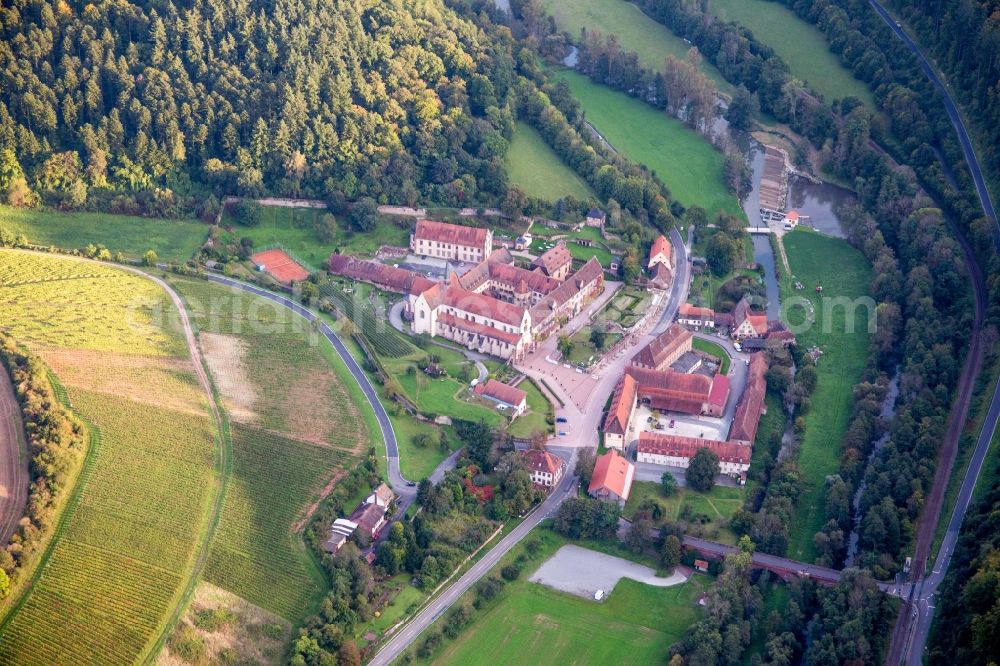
[56, 442]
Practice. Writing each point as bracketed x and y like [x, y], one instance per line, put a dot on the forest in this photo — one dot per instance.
[147, 108]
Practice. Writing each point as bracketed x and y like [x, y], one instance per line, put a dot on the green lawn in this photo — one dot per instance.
[800, 45]
[681, 157]
[636, 32]
[580, 253]
[539, 408]
[530, 623]
[711, 510]
[172, 240]
[536, 169]
[843, 272]
[294, 229]
[714, 349]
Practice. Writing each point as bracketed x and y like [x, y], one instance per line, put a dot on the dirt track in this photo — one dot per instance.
[13, 461]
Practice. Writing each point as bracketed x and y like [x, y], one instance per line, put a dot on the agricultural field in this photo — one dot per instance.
[172, 240]
[295, 428]
[294, 229]
[124, 549]
[636, 32]
[681, 157]
[708, 513]
[803, 48]
[528, 622]
[842, 272]
[538, 171]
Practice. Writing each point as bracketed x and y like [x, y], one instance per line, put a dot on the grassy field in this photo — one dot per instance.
[544, 241]
[294, 229]
[530, 623]
[536, 169]
[714, 349]
[681, 157]
[711, 511]
[636, 32]
[539, 408]
[843, 272]
[803, 48]
[125, 547]
[295, 427]
[173, 240]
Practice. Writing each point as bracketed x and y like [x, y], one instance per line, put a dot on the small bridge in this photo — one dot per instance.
[759, 230]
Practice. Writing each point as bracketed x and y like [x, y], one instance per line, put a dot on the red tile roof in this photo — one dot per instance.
[387, 277]
[661, 244]
[612, 473]
[554, 258]
[685, 447]
[751, 404]
[501, 392]
[478, 329]
[455, 234]
[542, 461]
[621, 405]
[453, 295]
[589, 273]
[689, 311]
[671, 391]
[663, 346]
[720, 390]
[509, 275]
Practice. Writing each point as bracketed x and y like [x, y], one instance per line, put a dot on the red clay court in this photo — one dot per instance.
[280, 265]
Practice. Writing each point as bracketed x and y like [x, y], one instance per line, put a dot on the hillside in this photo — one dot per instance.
[293, 98]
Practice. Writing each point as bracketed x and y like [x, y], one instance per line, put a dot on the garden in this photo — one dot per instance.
[707, 514]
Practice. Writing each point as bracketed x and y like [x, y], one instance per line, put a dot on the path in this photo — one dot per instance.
[396, 319]
[14, 457]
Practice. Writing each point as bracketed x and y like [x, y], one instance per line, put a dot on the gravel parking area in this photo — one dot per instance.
[583, 572]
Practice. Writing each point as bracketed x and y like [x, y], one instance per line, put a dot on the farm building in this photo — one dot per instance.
[370, 518]
[340, 530]
[381, 496]
[751, 405]
[512, 397]
[612, 479]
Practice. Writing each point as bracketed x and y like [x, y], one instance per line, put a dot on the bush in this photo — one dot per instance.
[510, 572]
[249, 213]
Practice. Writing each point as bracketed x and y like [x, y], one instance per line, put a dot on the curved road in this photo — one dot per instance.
[912, 630]
[949, 105]
[399, 484]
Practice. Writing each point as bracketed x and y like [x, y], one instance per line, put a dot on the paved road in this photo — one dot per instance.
[406, 493]
[949, 105]
[911, 632]
[437, 607]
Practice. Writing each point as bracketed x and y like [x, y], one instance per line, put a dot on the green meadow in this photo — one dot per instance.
[536, 169]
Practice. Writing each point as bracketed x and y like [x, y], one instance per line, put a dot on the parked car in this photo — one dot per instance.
[671, 423]
[561, 419]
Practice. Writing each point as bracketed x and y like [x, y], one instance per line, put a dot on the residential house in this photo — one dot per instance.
[545, 469]
[510, 396]
[381, 496]
[370, 518]
[612, 478]
[556, 262]
[453, 242]
[691, 315]
[746, 324]
[661, 253]
[596, 218]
